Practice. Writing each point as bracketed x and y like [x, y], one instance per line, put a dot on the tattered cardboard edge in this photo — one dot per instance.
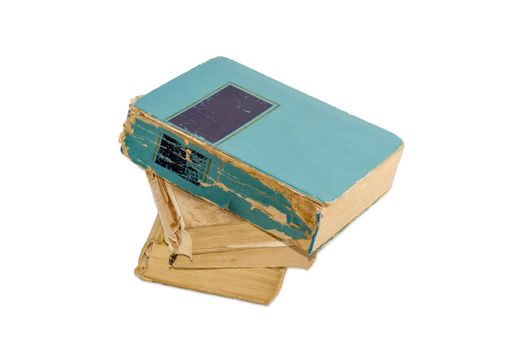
[153, 238]
[172, 221]
[127, 127]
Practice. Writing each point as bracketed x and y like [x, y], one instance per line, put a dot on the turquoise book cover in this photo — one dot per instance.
[263, 150]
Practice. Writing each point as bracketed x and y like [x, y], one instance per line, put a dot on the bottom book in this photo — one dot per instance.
[258, 284]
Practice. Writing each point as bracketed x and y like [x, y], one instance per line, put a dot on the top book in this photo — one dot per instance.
[287, 162]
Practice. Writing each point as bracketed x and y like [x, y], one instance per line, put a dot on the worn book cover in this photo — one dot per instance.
[288, 163]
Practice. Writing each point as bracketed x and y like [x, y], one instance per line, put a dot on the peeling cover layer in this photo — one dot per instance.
[270, 154]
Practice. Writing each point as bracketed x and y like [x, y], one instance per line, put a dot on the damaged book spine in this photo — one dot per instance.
[213, 175]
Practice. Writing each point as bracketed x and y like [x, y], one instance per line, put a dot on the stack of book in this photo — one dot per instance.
[250, 177]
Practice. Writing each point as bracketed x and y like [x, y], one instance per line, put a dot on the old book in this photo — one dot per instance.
[288, 163]
[224, 246]
[215, 238]
[259, 285]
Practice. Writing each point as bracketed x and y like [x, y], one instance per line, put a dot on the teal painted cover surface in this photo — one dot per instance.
[305, 143]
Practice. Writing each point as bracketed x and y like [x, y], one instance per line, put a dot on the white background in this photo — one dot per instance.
[438, 263]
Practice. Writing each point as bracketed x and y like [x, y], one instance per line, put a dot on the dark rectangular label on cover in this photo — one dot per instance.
[189, 164]
[221, 113]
